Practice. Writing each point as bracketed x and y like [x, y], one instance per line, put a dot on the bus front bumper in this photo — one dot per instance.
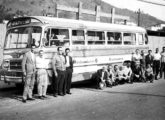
[11, 77]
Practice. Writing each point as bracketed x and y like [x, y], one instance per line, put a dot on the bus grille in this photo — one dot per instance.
[15, 65]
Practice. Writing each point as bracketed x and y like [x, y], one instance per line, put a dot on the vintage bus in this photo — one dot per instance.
[92, 44]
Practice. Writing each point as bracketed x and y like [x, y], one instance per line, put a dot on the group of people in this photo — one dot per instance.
[35, 71]
[141, 68]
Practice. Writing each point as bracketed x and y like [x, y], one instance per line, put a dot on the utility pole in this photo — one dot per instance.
[139, 17]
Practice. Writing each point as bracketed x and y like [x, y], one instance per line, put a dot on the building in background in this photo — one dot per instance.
[157, 27]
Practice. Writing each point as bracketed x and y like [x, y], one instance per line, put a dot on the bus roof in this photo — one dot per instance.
[81, 24]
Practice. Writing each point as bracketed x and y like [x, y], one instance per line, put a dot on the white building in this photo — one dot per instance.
[157, 27]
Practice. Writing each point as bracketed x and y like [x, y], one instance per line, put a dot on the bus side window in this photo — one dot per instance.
[78, 37]
[57, 37]
[129, 38]
[140, 39]
[114, 38]
[95, 38]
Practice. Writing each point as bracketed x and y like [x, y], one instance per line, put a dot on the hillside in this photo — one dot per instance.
[39, 7]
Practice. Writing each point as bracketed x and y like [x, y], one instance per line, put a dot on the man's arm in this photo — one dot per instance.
[71, 63]
[53, 66]
[24, 64]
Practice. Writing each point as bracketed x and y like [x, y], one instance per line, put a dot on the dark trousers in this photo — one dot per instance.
[156, 68]
[150, 77]
[162, 69]
[58, 82]
[68, 80]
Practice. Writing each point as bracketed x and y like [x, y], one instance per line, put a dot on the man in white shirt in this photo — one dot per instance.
[156, 64]
[42, 76]
[136, 57]
[128, 73]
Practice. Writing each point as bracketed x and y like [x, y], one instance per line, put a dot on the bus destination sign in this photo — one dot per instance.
[18, 22]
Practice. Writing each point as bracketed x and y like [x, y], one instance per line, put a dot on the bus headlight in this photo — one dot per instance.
[6, 64]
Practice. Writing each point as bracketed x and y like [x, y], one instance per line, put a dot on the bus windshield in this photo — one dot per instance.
[23, 37]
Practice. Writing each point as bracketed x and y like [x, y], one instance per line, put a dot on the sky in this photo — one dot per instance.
[157, 11]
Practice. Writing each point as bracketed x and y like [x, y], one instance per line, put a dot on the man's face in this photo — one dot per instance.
[128, 65]
[116, 68]
[104, 68]
[109, 67]
[67, 52]
[164, 49]
[32, 48]
[137, 51]
[149, 52]
[157, 50]
[142, 52]
[60, 51]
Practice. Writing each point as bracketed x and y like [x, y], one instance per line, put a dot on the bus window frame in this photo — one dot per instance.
[54, 27]
[84, 33]
[134, 33]
[30, 43]
[94, 30]
[121, 37]
[138, 42]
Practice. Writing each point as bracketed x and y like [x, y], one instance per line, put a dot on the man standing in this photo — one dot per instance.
[143, 65]
[69, 71]
[58, 64]
[162, 63]
[156, 65]
[149, 58]
[29, 69]
[42, 76]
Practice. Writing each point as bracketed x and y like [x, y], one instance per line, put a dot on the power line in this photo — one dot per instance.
[154, 3]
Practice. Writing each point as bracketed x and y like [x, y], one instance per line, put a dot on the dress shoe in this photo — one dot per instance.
[40, 97]
[23, 100]
[44, 96]
[30, 99]
[61, 94]
[69, 93]
[55, 95]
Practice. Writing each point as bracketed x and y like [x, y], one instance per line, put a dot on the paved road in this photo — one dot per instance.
[138, 101]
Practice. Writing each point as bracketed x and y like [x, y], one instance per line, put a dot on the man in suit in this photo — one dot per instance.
[69, 71]
[101, 78]
[29, 69]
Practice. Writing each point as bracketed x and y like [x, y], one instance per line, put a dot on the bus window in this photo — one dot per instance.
[140, 39]
[129, 38]
[23, 37]
[78, 37]
[95, 38]
[114, 38]
[57, 37]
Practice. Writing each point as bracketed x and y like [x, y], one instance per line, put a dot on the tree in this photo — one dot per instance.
[5, 13]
